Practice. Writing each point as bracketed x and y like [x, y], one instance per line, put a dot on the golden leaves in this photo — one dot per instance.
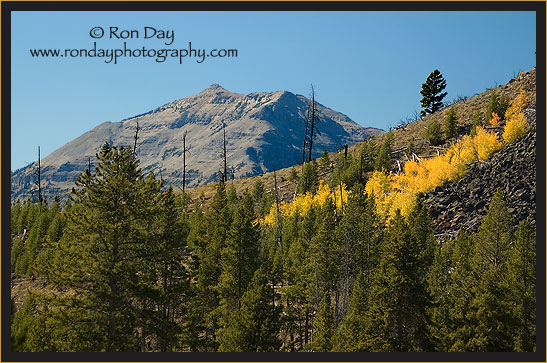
[516, 125]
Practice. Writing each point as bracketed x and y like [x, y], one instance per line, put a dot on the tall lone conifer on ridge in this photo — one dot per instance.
[432, 92]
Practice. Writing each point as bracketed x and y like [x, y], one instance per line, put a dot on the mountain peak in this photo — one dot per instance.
[215, 87]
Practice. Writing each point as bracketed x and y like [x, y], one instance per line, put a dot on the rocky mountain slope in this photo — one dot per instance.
[462, 204]
[263, 131]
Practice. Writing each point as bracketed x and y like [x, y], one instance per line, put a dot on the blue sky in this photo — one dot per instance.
[367, 65]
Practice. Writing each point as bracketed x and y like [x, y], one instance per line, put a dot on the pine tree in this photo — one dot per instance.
[432, 93]
[349, 336]
[239, 258]
[164, 287]
[217, 221]
[14, 216]
[477, 121]
[383, 159]
[397, 319]
[497, 106]
[451, 123]
[368, 155]
[301, 274]
[491, 301]
[324, 162]
[99, 254]
[325, 252]
[293, 176]
[29, 330]
[461, 291]
[324, 326]
[358, 236]
[439, 280]
[433, 133]
[39, 220]
[309, 181]
[494, 237]
[521, 283]
[255, 326]
[192, 336]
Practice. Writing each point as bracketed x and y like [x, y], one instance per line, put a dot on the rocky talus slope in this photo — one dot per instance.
[462, 204]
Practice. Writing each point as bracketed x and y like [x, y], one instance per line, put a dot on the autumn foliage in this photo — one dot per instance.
[399, 191]
[302, 203]
[495, 120]
[516, 125]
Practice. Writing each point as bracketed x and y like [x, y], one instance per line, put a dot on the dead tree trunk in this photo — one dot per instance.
[312, 121]
[340, 184]
[136, 138]
[225, 176]
[279, 230]
[184, 161]
[361, 167]
[39, 180]
[305, 136]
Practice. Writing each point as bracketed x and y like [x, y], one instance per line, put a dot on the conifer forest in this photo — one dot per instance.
[349, 264]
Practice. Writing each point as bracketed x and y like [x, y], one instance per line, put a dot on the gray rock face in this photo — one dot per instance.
[263, 131]
[462, 204]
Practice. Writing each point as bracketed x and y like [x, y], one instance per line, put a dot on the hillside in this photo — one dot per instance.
[403, 136]
[263, 131]
[462, 204]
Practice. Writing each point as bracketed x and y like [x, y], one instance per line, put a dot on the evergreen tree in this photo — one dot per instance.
[451, 123]
[293, 176]
[29, 331]
[432, 93]
[350, 337]
[491, 301]
[397, 320]
[239, 258]
[433, 133]
[193, 336]
[262, 200]
[100, 251]
[324, 162]
[324, 326]
[164, 287]
[39, 219]
[496, 105]
[383, 159]
[255, 326]
[494, 237]
[14, 216]
[461, 291]
[217, 221]
[521, 282]
[368, 155]
[358, 235]
[440, 281]
[347, 171]
[325, 252]
[477, 121]
[301, 274]
[309, 181]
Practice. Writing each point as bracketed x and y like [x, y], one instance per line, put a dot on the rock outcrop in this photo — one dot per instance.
[462, 204]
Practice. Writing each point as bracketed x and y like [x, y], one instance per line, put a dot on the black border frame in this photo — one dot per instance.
[7, 7]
